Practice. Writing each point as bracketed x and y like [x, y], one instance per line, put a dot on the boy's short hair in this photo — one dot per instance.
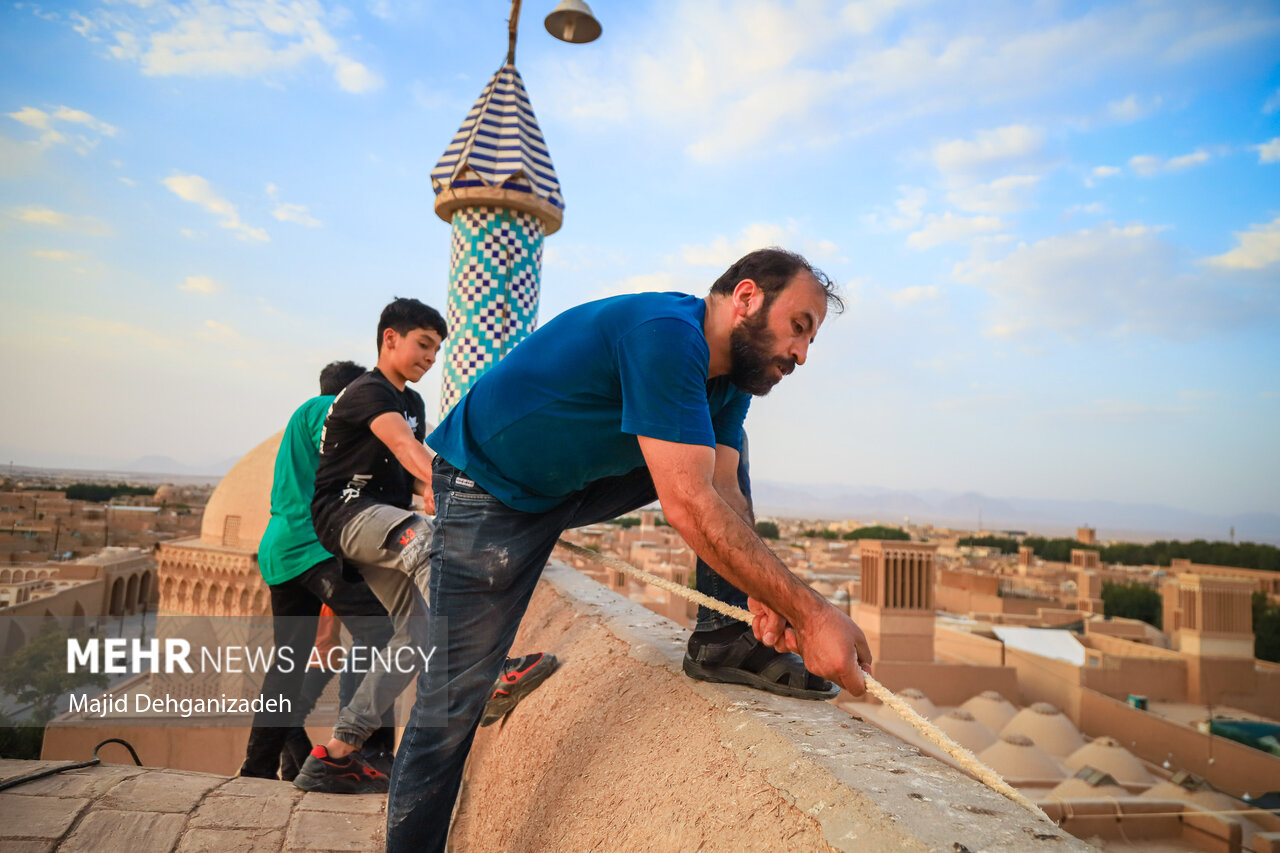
[337, 375]
[405, 314]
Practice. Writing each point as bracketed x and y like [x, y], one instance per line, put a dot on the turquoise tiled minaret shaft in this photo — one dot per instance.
[496, 186]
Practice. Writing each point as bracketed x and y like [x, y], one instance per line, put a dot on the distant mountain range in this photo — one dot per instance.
[1050, 517]
[169, 465]
[1044, 516]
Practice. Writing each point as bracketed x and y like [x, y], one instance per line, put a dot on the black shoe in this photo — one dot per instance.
[294, 754]
[746, 660]
[350, 775]
[381, 761]
[519, 678]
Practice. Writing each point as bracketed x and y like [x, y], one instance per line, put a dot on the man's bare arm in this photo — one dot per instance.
[725, 480]
[393, 431]
[683, 474]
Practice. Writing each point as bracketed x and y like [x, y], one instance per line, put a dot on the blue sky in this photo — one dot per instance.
[1057, 225]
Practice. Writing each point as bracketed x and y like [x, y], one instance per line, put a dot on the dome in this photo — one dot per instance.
[1108, 755]
[962, 728]
[1021, 762]
[991, 709]
[239, 508]
[1048, 727]
[166, 494]
[1076, 788]
[918, 702]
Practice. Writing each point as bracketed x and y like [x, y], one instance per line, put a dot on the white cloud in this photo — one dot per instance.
[907, 211]
[1132, 108]
[1105, 171]
[1114, 280]
[912, 295]
[32, 117]
[229, 37]
[296, 213]
[1186, 161]
[39, 119]
[988, 149]
[723, 251]
[61, 255]
[657, 282]
[83, 142]
[197, 190]
[1095, 209]
[1257, 248]
[766, 76]
[950, 228]
[1003, 195]
[1272, 103]
[54, 219]
[1269, 152]
[201, 284]
[1146, 166]
[81, 117]
[219, 333]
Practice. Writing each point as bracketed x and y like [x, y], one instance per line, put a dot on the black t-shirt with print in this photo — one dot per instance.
[356, 469]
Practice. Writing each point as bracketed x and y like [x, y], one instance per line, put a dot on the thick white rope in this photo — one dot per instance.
[966, 759]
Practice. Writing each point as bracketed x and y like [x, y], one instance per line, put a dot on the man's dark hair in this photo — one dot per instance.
[405, 314]
[337, 375]
[772, 270]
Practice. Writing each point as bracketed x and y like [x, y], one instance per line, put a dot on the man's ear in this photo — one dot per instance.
[747, 297]
[389, 339]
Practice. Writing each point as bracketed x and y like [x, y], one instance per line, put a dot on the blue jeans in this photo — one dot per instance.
[711, 584]
[486, 559]
[295, 611]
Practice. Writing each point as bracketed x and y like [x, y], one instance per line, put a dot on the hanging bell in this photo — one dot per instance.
[573, 22]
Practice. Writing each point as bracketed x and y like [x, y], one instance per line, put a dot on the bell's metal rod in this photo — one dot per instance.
[512, 23]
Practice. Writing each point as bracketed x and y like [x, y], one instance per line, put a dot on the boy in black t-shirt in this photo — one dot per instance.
[372, 463]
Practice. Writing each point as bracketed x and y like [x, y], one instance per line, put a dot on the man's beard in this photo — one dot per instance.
[750, 361]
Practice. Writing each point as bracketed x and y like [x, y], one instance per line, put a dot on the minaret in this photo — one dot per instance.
[496, 186]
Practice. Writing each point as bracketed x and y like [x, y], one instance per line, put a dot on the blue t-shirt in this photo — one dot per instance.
[564, 407]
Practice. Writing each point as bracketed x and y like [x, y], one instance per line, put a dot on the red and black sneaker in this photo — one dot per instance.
[349, 775]
[519, 678]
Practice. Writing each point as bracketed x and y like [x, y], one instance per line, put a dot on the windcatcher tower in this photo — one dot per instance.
[497, 187]
[897, 605]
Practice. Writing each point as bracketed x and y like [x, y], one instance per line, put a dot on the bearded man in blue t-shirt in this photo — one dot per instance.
[605, 408]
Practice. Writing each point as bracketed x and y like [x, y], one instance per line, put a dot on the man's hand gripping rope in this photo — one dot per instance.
[836, 657]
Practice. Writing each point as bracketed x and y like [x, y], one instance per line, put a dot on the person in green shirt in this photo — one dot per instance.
[303, 577]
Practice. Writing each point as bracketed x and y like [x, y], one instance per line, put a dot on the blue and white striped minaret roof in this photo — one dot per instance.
[499, 146]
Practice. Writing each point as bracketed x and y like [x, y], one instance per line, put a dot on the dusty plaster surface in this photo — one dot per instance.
[620, 750]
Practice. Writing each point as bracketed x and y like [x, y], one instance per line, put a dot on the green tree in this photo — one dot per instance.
[100, 492]
[878, 531]
[1006, 545]
[1266, 628]
[767, 529]
[1242, 555]
[626, 521]
[20, 739]
[1056, 550]
[1131, 601]
[37, 672]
